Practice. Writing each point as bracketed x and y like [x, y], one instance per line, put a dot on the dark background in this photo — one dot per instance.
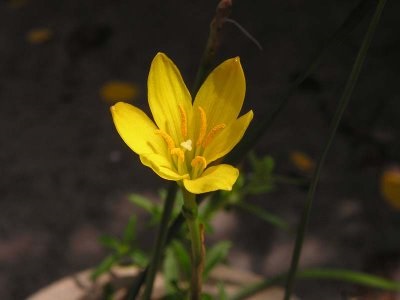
[65, 173]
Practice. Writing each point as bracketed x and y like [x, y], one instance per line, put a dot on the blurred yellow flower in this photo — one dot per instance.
[39, 35]
[186, 138]
[302, 161]
[390, 187]
[17, 3]
[114, 91]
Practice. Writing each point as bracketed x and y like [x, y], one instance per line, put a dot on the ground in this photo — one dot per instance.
[66, 173]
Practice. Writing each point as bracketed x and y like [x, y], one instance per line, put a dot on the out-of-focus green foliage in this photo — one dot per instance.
[124, 251]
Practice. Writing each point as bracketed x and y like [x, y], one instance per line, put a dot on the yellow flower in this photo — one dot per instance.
[39, 35]
[114, 91]
[390, 186]
[302, 161]
[186, 138]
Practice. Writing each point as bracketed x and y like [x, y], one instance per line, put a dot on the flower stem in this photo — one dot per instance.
[223, 11]
[359, 62]
[196, 233]
[160, 241]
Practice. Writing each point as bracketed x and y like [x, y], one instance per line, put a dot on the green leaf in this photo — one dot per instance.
[170, 270]
[264, 165]
[109, 242]
[178, 203]
[261, 180]
[344, 275]
[182, 256]
[142, 202]
[352, 277]
[206, 297]
[104, 266]
[222, 295]
[130, 231]
[140, 258]
[216, 255]
[174, 296]
[264, 215]
[155, 210]
[108, 292]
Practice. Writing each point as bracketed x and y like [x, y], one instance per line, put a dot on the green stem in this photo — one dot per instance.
[335, 123]
[256, 131]
[190, 212]
[322, 274]
[160, 241]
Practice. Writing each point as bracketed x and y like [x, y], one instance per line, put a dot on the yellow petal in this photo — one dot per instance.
[390, 187]
[39, 35]
[222, 94]
[166, 92]
[302, 161]
[17, 3]
[136, 129]
[227, 138]
[161, 166]
[220, 177]
[114, 91]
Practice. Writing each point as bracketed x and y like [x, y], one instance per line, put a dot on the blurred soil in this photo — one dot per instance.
[66, 173]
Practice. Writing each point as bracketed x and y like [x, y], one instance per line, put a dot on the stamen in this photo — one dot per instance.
[183, 121]
[179, 153]
[212, 133]
[167, 138]
[187, 145]
[203, 125]
[199, 161]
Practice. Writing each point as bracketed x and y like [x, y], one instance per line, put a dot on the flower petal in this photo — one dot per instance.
[224, 142]
[166, 92]
[161, 166]
[136, 129]
[220, 177]
[222, 94]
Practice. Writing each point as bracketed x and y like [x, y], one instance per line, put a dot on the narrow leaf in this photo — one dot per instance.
[104, 266]
[170, 270]
[109, 242]
[264, 215]
[349, 276]
[142, 202]
[130, 231]
[182, 256]
[216, 255]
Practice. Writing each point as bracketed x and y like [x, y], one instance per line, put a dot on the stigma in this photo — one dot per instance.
[187, 145]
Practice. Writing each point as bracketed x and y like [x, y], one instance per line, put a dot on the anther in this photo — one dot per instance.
[179, 153]
[167, 138]
[199, 161]
[203, 125]
[183, 121]
[210, 136]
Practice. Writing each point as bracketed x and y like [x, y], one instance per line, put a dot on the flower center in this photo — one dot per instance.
[198, 162]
